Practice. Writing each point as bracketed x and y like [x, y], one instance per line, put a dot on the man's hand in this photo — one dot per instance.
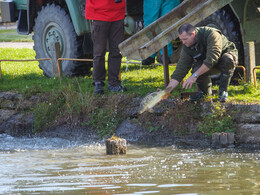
[188, 83]
[172, 85]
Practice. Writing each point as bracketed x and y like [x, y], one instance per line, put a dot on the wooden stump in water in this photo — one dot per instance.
[116, 145]
[221, 140]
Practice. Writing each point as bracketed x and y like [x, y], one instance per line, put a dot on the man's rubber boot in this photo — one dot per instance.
[223, 86]
[224, 82]
[204, 84]
[197, 96]
[223, 96]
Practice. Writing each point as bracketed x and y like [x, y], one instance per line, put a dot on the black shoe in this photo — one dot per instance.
[160, 60]
[223, 96]
[99, 88]
[148, 61]
[197, 96]
[117, 88]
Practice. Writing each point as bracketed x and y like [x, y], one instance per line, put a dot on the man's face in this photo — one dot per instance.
[188, 39]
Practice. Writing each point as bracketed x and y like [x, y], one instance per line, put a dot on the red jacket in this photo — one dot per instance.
[105, 10]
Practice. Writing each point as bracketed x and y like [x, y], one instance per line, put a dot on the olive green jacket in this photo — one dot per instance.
[210, 46]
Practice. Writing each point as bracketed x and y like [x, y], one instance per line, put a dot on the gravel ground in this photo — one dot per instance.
[17, 44]
[4, 26]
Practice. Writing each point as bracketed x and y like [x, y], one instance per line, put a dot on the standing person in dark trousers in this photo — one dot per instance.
[207, 51]
[154, 9]
[107, 25]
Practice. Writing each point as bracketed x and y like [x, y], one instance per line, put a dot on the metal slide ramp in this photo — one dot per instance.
[164, 30]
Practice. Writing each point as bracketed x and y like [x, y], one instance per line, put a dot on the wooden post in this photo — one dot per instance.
[250, 61]
[55, 56]
[116, 145]
[166, 66]
[59, 65]
[222, 140]
[0, 71]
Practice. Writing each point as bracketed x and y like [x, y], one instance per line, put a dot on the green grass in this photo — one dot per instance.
[11, 35]
[219, 120]
[24, 76]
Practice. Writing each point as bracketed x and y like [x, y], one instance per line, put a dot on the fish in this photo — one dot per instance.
[150, 100]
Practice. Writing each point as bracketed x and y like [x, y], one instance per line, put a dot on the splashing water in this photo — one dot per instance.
[126, 69]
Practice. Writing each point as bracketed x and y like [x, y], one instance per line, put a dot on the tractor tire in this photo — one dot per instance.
[54, 24]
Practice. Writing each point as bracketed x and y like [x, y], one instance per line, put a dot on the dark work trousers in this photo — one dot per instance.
[226, 67]
[113, 32]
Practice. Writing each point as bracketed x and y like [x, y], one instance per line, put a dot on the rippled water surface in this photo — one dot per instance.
[57, 166]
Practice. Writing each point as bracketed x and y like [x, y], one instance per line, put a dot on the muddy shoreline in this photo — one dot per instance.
[16, 119]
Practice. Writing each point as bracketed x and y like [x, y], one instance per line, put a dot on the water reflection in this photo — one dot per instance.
[55, 166]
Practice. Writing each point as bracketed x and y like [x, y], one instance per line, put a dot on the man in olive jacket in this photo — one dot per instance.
[207, 51]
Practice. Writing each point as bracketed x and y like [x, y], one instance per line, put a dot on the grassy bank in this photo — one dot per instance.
[24, 76]
[71, 100]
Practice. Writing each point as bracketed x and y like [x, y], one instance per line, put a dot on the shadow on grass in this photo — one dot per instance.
[40, 84]
[37, 83]
[134, 67]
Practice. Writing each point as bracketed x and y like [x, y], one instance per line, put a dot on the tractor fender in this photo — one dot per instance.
[81, 25]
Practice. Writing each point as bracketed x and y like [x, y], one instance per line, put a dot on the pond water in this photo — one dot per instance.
[57, 166]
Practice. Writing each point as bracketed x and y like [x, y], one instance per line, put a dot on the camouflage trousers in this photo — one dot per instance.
[226, 67]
